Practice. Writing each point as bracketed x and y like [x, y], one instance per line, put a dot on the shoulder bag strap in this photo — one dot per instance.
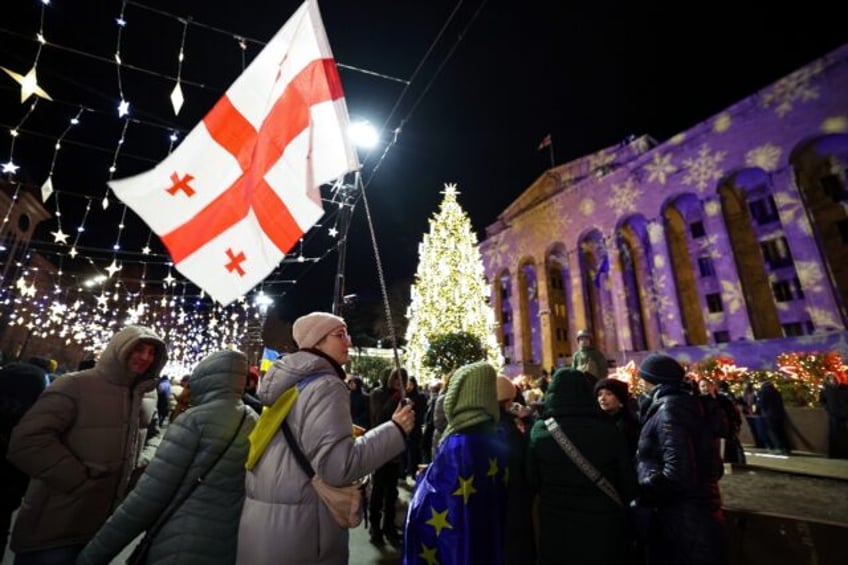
[302, 461]
[582, 463]
[166, 514]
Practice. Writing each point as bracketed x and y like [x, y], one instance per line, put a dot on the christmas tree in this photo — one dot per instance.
[450, 293]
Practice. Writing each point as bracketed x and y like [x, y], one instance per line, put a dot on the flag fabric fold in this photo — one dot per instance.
[546, 141]
[243, 187]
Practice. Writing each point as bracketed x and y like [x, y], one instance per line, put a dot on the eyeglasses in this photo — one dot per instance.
[340, 335]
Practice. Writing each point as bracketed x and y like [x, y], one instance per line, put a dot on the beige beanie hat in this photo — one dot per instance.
[506, 390]
[308, 330]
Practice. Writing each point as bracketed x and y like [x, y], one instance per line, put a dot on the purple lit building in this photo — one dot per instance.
[731, 237]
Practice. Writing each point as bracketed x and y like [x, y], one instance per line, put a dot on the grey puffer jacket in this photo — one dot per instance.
[204, 527]
[283, 520]
[81, 442]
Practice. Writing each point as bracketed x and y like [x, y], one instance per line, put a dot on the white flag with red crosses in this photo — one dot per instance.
[243, 186]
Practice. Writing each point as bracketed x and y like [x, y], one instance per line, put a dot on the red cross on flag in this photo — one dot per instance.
[243, 186]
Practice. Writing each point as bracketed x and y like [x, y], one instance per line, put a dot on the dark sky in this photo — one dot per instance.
[511, 72]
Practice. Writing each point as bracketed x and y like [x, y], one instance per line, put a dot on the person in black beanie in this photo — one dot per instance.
[614, 399]
[678, 467]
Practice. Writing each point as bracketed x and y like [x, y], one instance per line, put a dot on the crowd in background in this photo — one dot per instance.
[227, 465]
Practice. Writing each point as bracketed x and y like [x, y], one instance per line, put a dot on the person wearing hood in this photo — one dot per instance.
[678, 465]
[211, 437]
[578, 521]
[283, 519]
[83, 442]
[458, 509]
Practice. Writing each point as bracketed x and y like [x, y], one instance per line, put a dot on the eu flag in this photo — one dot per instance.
[456, 516]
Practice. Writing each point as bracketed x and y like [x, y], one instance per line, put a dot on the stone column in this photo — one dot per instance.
[662, 287]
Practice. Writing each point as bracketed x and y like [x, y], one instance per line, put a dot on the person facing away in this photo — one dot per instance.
[283, 519]
[359, 403]
[20, 385]
[614, 399]
[678, 466]
[770, 406]
[834, 399]
[163, 398]
[578, 522]
[82, 444]
[519, 542]
[588, 359]
[458, 508]
[382, 504]
[204, 527]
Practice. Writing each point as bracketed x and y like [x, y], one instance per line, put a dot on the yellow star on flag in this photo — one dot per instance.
[466, 488]
[428, 554]
[493, 467]
[439, 520]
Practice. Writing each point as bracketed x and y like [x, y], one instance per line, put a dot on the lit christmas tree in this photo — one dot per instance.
[450, 293]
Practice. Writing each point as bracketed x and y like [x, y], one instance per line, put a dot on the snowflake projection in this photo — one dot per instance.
[660, 168]
[678, 139]
[810, 275]
[835, 124]
[792, 211]
[658, 299]
[731, 294]
[765, 156]
[655, 232]
[712, 207]
[587, 206]
[494, 251]
[538, 224]
[659, 262]
[600, 159]
[707, 246]
[624, 197]
[609, 322]
[794, 88]
[562, 216]
[823, 319]
[703, 169]
[722, 123]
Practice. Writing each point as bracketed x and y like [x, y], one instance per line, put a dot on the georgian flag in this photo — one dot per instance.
[243, 186]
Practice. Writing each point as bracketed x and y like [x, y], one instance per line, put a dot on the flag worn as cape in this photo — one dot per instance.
[458, 509]
[243, 186]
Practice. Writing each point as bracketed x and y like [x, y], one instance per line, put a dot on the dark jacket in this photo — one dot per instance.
[578, 522]
[519, 543]
[679, 467]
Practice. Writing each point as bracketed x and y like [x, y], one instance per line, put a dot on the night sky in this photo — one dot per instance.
[501, 77]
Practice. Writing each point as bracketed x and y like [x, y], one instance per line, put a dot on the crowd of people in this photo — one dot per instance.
[227, 465]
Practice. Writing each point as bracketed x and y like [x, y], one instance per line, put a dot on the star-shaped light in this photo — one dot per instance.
[123, 108]
[450, 189]
[145, 250]
[466, 488]
[73, 252]
[102, 300]
[10, 167]
[439, 520]
[113, 268]
[177, 99]
[59, 236]
[333, 232]
[170, 280]
[29, 84]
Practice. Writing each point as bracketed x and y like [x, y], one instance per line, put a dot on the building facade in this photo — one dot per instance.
[731, 237]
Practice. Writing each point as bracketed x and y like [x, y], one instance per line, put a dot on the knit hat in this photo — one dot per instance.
[661, 369]
[506, 390]
[615, 386]
[308, 330]
[471, 397]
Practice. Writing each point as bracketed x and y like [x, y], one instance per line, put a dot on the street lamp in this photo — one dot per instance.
[364, 136]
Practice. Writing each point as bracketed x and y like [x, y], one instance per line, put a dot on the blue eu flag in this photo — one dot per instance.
[456, 516]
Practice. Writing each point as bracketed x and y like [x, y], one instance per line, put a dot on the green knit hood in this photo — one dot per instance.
[471, 398]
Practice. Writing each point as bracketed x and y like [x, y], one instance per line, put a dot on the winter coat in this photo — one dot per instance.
[204, 528]
[519, 544]
[678, 466]
[283, 519]
[578, 522]
[81, 442]
[592, 361]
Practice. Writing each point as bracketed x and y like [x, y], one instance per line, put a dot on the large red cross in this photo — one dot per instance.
[256, 152]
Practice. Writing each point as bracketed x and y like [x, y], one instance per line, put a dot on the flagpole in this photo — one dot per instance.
[551, 151]
[345, 191]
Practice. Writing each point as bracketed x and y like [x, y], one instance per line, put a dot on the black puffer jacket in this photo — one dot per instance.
[678, 468]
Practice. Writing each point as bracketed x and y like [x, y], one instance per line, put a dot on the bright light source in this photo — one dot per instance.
[363, 135]
[94, 280]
